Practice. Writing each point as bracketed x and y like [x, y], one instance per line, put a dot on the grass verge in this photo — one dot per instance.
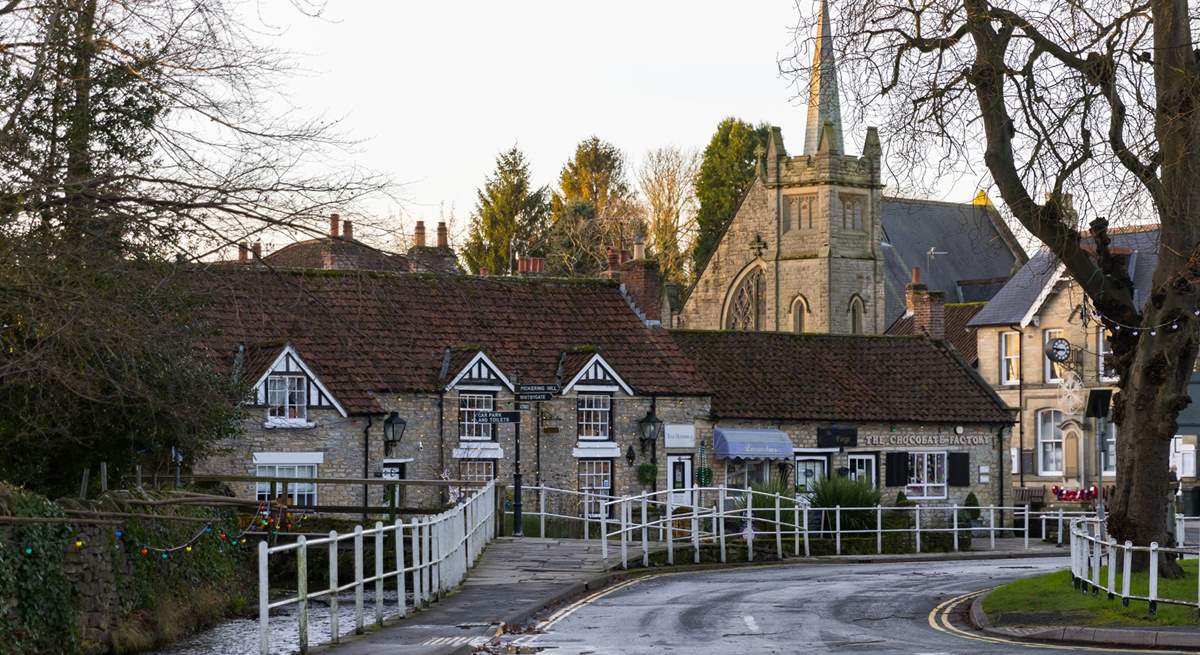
[1049, 599]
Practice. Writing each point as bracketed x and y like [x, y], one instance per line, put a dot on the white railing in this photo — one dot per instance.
[441, 549]
[1095, 558]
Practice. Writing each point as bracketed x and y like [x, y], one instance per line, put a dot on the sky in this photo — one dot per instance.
[436, 90]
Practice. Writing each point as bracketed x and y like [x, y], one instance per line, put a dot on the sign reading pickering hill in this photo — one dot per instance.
[537, 392]
[918, 440]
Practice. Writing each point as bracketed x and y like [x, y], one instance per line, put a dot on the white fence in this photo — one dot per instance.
[1096, 557]
[441, 549]
[658, 519]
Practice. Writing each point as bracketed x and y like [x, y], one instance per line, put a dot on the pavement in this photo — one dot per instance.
[516, 579]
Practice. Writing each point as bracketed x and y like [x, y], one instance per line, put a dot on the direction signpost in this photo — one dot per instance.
[497, 418]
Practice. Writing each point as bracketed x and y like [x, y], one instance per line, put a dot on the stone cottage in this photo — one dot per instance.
[902, 413]
[338, 360]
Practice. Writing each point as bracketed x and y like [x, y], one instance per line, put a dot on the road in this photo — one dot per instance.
[818, 608]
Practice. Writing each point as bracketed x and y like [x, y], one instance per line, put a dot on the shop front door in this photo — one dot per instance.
[679, 475]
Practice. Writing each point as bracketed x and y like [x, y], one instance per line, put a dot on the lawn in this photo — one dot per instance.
[1049, 598]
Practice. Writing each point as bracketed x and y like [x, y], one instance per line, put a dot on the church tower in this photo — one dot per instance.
[803, 252]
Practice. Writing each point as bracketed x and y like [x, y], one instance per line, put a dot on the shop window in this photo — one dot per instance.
[595, 478]
[926, 475]
[809, 471]
[1010, 358]
[299, 493]
[862, 467]
[469, 407]
[743, 473]
[1050, 442]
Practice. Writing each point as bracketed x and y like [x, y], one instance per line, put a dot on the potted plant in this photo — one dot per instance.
[969, 514]
[647, 473]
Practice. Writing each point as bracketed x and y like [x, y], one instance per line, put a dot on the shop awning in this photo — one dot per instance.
[729, 443]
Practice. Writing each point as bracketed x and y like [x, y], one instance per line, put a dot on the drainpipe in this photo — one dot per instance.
[442, 436]
[1000, 480]
[1020, 403]
[366, 462]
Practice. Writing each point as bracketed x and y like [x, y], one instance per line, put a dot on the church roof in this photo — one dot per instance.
[973, 251]
[1021, 295]
[821, 377]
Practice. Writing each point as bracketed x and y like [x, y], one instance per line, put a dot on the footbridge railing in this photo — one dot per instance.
[429, 555]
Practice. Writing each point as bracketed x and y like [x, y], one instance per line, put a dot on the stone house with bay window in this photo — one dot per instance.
[334, 358]
[902, 413]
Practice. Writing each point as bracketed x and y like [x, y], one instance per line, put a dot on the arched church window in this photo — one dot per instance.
[746, 306]
[799, 314]
[857, 310]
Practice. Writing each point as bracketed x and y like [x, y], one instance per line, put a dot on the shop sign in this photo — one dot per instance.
[837, 437]
[921, 440]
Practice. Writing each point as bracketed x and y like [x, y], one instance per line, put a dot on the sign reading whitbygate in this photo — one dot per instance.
[492, 418]
[917, 440]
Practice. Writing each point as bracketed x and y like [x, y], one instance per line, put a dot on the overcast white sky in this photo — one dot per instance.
[438, 89]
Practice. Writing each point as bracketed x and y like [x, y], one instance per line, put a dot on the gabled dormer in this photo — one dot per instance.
[472, 369]
[590, 372]
[288, 388]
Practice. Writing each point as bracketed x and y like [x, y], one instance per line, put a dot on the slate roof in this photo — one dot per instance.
[980, 251]
[962, 337]
[783, 376]
[1013, 302]
[366, 333]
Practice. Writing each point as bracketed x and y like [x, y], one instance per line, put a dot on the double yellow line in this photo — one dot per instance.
[939, 619]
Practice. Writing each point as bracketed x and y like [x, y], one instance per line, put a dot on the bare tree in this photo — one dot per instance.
[667, 180]
[136, 137]
[1093, 99]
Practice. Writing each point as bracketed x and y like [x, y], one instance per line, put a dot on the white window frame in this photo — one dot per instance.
[808, 458]
[593, 416]
[288, 469]
[477, 470]
[594, 476]
[1043, 441]
[1102, 349]
[1006, 357]
[287, 400]
[873, 466]
[1110, 460]
[470, 403]
[919, 486]
[1049, 366]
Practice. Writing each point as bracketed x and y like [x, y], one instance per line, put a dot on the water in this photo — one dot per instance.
[240, 636]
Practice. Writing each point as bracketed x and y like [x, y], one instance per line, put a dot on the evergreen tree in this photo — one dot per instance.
[595, 176]
[510, 216]
[725, 175]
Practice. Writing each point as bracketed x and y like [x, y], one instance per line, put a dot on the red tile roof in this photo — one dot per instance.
[336, 253]
[366, 333]
[957, 333]
[783, 376]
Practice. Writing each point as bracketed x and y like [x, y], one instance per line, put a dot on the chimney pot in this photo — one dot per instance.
[257, 250]
[419, 235]
[483, 271]
[243, 251]
[614, 259]
[333, 224]
[537, 264]
[639, 248]
[348, 230]
[916, 274]
[442, 240]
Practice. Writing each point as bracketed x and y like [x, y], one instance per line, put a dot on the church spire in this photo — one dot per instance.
[824, 130]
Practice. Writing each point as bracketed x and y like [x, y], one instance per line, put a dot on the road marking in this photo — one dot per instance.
[456, 641]
[939, 619]
[751, 624]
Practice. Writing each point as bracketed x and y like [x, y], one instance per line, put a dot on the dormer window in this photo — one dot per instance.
[287, 400]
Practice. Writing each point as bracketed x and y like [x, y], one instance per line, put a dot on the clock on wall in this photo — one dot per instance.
[1058, 350]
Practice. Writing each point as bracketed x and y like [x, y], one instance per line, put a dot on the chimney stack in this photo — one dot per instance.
[928, 308]
[614, 262]
[243, 252]
[257, 250]
[639, 247]
[419, 235]
[333, 224]
[442, 240]
[530, 265]
[483, 271]
[348, 230]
